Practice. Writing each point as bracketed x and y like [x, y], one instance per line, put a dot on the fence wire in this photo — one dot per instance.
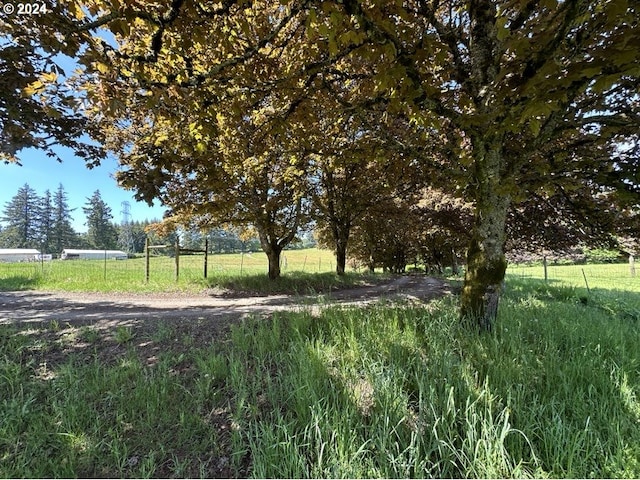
[162, 268]
[620, 280]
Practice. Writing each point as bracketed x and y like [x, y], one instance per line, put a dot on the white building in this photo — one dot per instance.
[18, 254]
[73, 254]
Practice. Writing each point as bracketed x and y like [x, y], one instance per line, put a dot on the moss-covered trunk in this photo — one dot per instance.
[486, 263]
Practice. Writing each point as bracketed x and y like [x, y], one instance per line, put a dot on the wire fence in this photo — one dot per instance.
[621, 280]
[158, 269]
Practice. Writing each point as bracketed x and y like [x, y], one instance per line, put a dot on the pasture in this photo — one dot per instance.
[129, 275]
[611, 284]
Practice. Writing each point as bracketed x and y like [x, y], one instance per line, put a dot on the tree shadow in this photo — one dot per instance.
[18, 283]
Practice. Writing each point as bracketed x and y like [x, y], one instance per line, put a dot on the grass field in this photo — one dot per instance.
[605, 276]
[610, 283]
[129, 275]
[381, 391]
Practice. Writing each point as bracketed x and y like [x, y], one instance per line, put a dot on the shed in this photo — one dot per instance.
[18, 254]
[73, 254]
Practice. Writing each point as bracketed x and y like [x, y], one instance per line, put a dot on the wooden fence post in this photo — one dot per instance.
[632, 266]
[544, 263]
[146, 261]
[177, 259]
[206, 253]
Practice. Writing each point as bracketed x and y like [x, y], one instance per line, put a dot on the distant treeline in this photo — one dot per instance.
[44, 222]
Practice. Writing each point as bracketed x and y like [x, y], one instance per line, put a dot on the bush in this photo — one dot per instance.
[601, 255]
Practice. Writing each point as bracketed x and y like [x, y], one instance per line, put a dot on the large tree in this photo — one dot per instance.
[101, 232]
[45, 222]
[346, 183]
[22, 218]
[506, 85]
[62, 233]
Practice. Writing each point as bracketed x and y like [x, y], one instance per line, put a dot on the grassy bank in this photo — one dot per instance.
[375, 392]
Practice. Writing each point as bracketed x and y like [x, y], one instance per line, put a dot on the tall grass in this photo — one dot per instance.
[391, 392]
[380, 391]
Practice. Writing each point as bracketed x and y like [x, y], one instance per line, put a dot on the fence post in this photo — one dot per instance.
[585, 281]
[544, 263]
[105, 263]
[632, 265]
[206, 253]
[146, 260]
[177, 259]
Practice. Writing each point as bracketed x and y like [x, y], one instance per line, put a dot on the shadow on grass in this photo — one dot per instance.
[80, 403]
[616, 302]
[19, 283]
[386, 392]
[294, 283]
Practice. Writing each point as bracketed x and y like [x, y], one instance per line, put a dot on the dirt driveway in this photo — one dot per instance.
[25, 307]
[108, 327]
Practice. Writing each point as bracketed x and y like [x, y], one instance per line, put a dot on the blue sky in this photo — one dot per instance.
[42, 173]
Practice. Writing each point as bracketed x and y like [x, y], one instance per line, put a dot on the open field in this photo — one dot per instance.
[610, 276]
[612, 282]
[129, 275]
[386, 390]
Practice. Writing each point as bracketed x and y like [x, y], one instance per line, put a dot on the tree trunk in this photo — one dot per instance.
[273, 254]
[341, 253]
[486, 263]
[341, 259]
[341, 233]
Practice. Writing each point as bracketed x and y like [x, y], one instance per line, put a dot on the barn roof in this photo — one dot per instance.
[109, 252]
[19, 251]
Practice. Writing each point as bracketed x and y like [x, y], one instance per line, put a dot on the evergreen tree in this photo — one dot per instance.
[101, 231]
[45, 222]
[62, 233]
[21, 215]
[139, 235]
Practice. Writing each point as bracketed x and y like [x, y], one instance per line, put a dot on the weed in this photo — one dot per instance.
[123, 334]
[163, 332]
[89, 334]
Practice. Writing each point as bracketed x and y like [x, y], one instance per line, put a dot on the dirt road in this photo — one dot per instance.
[91, 308]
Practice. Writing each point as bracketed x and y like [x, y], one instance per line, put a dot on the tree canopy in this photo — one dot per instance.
[39, 106]
[499, 101]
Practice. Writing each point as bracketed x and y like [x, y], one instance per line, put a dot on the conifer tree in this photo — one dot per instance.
[62, 233]
[21, 216]
[45, 222]
[101, 232]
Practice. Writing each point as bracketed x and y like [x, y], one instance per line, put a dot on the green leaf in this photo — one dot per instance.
[502, 30]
